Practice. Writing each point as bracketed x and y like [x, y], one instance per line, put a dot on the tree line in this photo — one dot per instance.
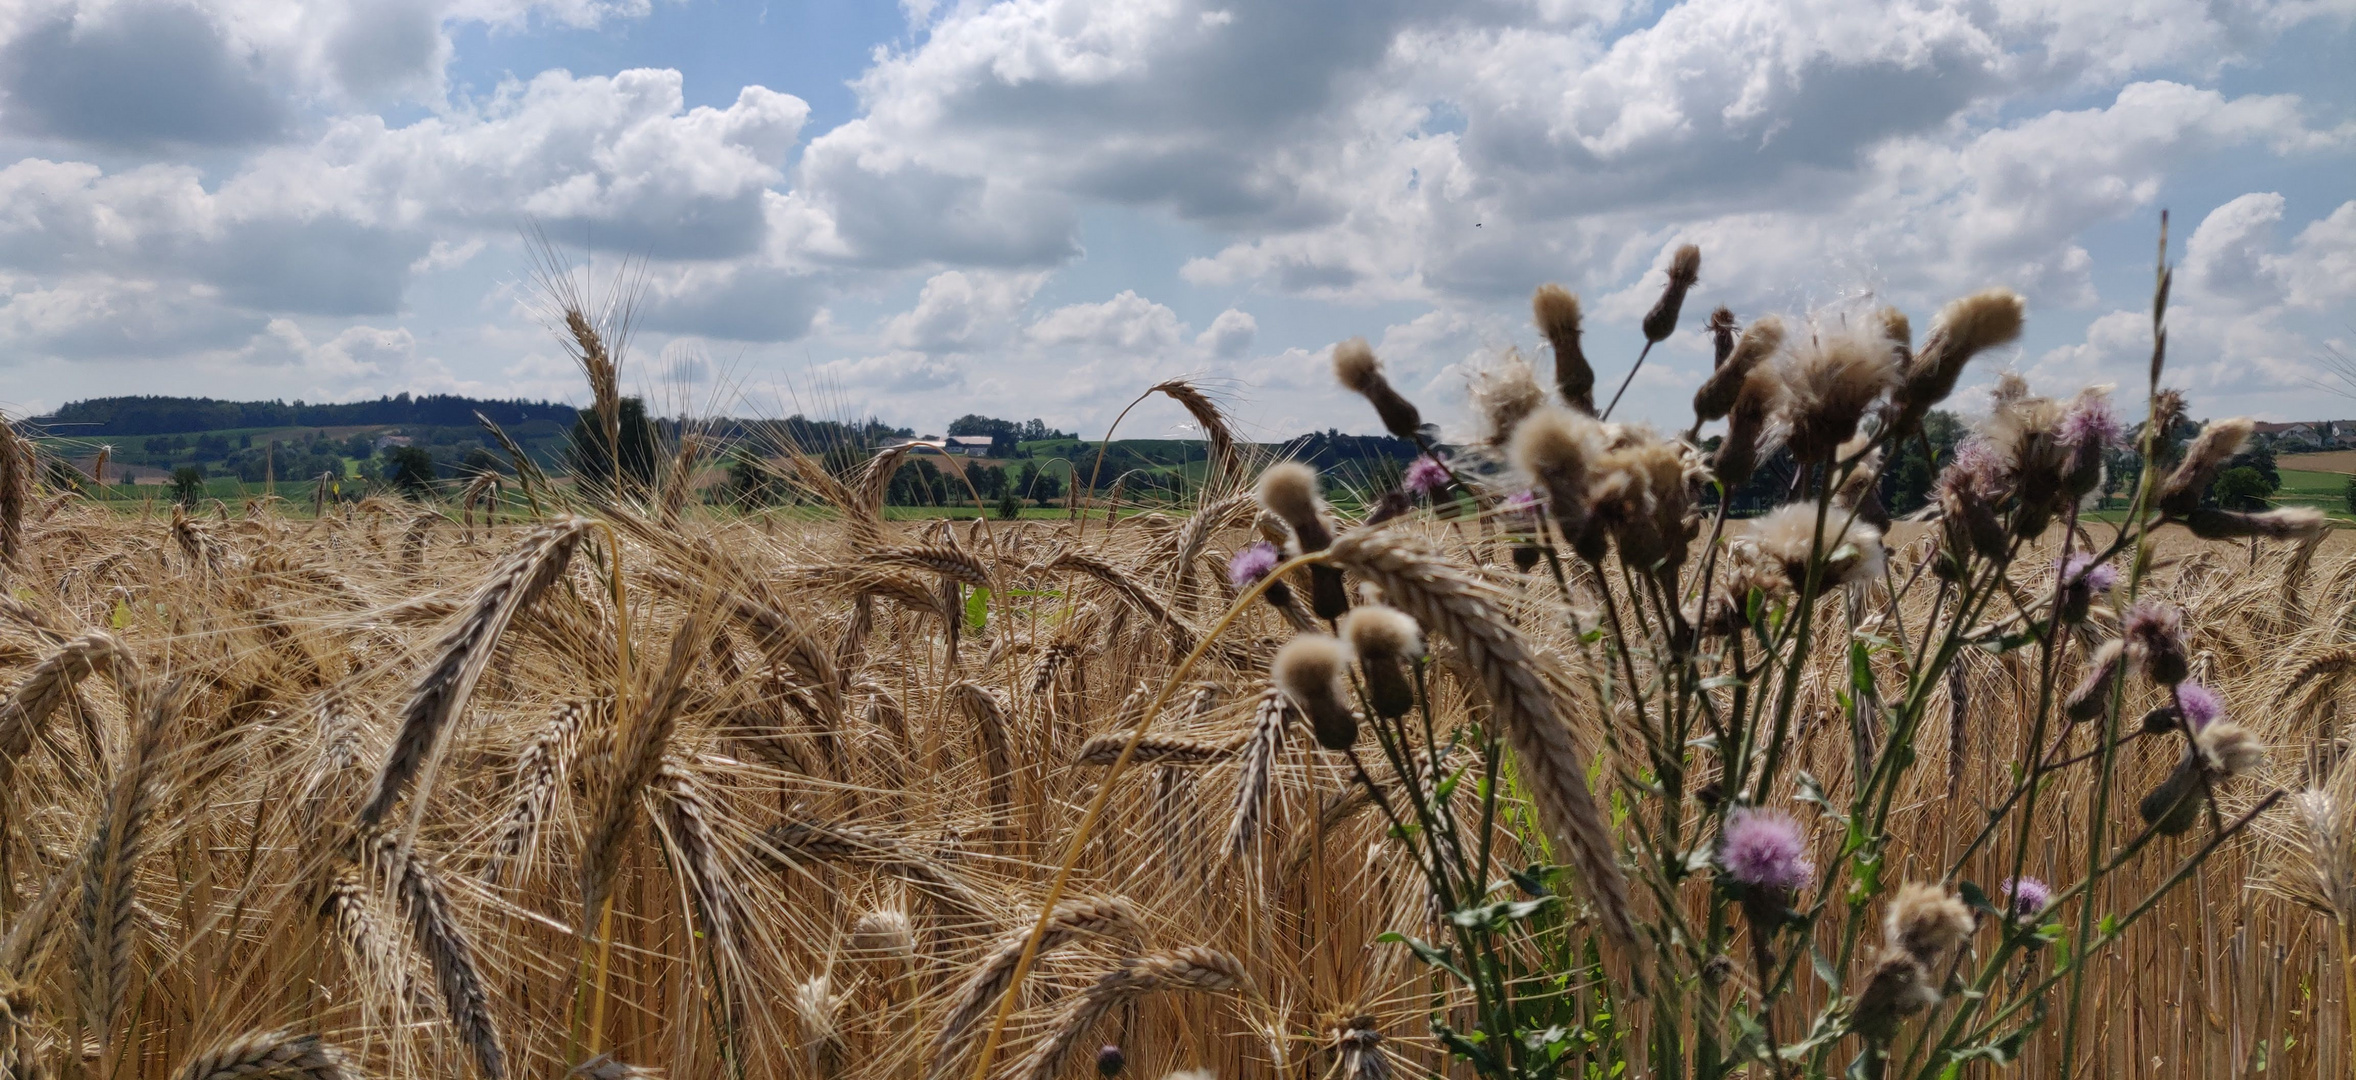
[157, 415]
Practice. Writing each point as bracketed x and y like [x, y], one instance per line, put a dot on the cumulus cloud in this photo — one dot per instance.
[1415, 166]
[1229, 334]
[1127, 323]
[339, 226]
[2240, 318]
[961, 312]
[135, 74]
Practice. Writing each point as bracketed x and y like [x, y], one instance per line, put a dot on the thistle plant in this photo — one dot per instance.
[1689, 878]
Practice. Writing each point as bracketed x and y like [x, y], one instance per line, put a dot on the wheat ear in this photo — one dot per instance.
[1270, 718]
[28, 937]
[1193, 968]
[941, 559]
[1553, 761]
[636, 757]
[1153, 750]
[782, 845]
[687, 824]
[1073, 920]
[540, 773]
[275, 1055]
[16, 469]
[109, 921]
[987, 709]
[46, 687]
[418, 885]
[370, 949]
[465, 652]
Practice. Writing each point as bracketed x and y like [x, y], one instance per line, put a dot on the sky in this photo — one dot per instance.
[1040, 208]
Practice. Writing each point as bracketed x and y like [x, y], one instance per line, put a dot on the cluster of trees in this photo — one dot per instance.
[150, 415]
[1005, 435]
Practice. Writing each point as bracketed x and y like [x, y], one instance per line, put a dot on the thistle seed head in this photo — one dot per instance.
[2181, 494]
[1557, 313]
[1685, 267]
[1355, 365]
[1725, 385]
[2230, 750]
[1553, 446]
[1832, 380]
[1289, 490]
[2155, 638]
[1926, 921]
[1309, 670]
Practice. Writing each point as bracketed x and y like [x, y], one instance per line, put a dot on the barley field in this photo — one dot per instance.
[557, 779]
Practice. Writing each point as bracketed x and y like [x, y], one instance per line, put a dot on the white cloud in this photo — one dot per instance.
[961, 312]
[1411, 165]
[2236, 328]
[340, 226]
[1229, 334]
[1127, 323]
[2320, 269]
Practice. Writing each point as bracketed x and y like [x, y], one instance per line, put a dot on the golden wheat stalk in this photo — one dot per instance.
[110, 865]
[541, 772]
[1553, 762]
[417, 884]
[463, 655]
[1086, 918]
[1193, 968]
[267, 1055]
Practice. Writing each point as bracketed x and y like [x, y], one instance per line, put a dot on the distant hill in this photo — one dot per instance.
[150, 415]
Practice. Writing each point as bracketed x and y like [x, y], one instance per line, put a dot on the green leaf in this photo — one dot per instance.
[1435, 957]
[2108, 926]
[1531, 881]
[1976, 898]
[977, 609]
[122, 615]
[1721, 682]
[1868, 882]
[1860, 671]
[1448, 787]
[1498, 915]
[1827, 974]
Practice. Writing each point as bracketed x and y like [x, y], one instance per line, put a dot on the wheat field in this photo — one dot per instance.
[855, 800]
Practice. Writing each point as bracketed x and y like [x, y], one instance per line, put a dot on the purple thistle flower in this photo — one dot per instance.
[1979, 467]
[2081, 569]
[2027, 897]
[2089, 423]
[1251, 563]
[1426, 477]
[2198, 704]
[1764, 849]
[1523, 501]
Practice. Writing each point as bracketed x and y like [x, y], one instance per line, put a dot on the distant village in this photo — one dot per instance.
[2309, 436]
